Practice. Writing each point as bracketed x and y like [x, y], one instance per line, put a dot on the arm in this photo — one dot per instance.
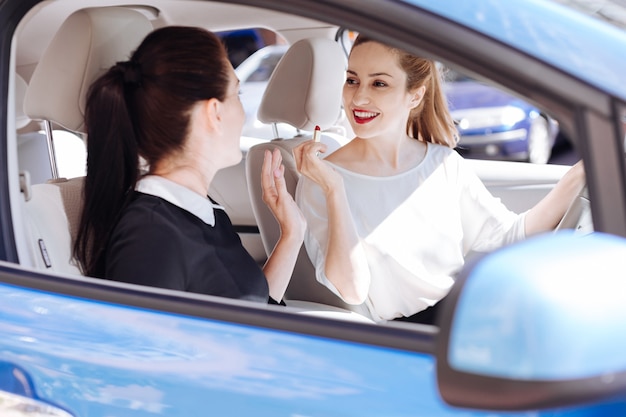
[547, 213]
[281, 262]
[345, 264]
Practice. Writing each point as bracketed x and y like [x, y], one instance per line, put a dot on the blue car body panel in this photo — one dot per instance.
[101, 359]
[98, 358]
[548, 31]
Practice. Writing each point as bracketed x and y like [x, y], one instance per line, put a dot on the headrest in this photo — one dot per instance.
[305, 88]
[21, 120]
[89, 42]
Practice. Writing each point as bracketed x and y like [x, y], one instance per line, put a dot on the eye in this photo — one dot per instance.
[351, 81]
[379, 84]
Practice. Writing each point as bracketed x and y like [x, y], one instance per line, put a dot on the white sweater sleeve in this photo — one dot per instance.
[312, 203]
[487, 222]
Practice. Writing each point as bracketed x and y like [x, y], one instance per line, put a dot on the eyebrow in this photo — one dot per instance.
[374, 74]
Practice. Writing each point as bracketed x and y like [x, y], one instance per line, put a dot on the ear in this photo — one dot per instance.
[418, 94]
[211, 111]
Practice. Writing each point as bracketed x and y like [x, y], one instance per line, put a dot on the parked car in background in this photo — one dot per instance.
[254, 74]
[241, 43]
[494, 124]
[533, 329]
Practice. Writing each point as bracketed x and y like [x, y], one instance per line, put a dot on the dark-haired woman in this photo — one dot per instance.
[174, 106]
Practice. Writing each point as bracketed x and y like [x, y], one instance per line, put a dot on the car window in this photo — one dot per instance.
[265, 67]
[494, 124]
[242, 43]
[70, 154]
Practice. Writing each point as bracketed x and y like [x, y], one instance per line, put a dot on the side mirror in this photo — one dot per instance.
[538, 324]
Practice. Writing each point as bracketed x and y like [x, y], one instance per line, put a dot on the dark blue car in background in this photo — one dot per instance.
[533, 329]
[494, 124]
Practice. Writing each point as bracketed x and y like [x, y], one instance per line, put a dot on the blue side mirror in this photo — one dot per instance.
[541, 323]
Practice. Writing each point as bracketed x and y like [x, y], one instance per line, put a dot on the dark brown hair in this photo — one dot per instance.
[431, 120]
[141, 108]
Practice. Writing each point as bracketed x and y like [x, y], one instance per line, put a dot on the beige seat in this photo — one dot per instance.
[87, 43]
[21, 119]
[304, 91]
[32, 149]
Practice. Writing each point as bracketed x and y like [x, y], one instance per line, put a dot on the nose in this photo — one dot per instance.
[361, 95]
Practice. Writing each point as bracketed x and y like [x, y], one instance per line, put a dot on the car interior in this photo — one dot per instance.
[53, 75]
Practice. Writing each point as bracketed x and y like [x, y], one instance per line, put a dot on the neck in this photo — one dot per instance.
[388, 154]
[188, 176]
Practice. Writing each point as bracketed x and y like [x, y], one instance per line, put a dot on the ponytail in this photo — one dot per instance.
[112, 163]
[141, 108]
[431, 120]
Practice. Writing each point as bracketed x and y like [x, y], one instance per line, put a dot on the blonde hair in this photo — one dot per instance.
[431, 120]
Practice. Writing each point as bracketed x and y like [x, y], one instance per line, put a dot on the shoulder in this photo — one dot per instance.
[443, 157]
[147, 230]
[146, 211]
[144, 206]
[442, 153]
[341, 156]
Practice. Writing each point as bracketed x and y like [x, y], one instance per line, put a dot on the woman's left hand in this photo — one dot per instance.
[278, 199]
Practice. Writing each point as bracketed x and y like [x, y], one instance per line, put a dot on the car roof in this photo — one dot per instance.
[550, 32]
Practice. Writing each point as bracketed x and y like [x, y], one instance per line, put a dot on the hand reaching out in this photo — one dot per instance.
[278, 199]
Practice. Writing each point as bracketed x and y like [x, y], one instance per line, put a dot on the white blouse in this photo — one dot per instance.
[415, 228]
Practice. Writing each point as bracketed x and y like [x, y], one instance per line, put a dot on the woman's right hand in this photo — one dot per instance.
[309, 164]
[278, 199]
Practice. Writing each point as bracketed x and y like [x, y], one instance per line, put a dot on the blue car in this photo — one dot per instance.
[537, 328]
[496, 125]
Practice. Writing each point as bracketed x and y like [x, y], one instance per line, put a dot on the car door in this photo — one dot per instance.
[96, 348]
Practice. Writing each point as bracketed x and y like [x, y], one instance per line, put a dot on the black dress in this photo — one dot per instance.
[159, 244]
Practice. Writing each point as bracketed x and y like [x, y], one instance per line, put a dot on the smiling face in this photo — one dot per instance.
[375, 94]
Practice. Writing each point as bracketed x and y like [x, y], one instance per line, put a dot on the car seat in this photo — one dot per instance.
[87, 43]
[303, 91]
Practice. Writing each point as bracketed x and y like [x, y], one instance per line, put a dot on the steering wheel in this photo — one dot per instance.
[578, 214]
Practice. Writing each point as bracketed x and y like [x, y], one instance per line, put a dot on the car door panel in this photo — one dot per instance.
[519, 185]
[98, 357]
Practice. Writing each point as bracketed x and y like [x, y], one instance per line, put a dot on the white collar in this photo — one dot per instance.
[180, 196]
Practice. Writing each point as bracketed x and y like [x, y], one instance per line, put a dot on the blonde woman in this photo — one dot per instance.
[392, 214]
